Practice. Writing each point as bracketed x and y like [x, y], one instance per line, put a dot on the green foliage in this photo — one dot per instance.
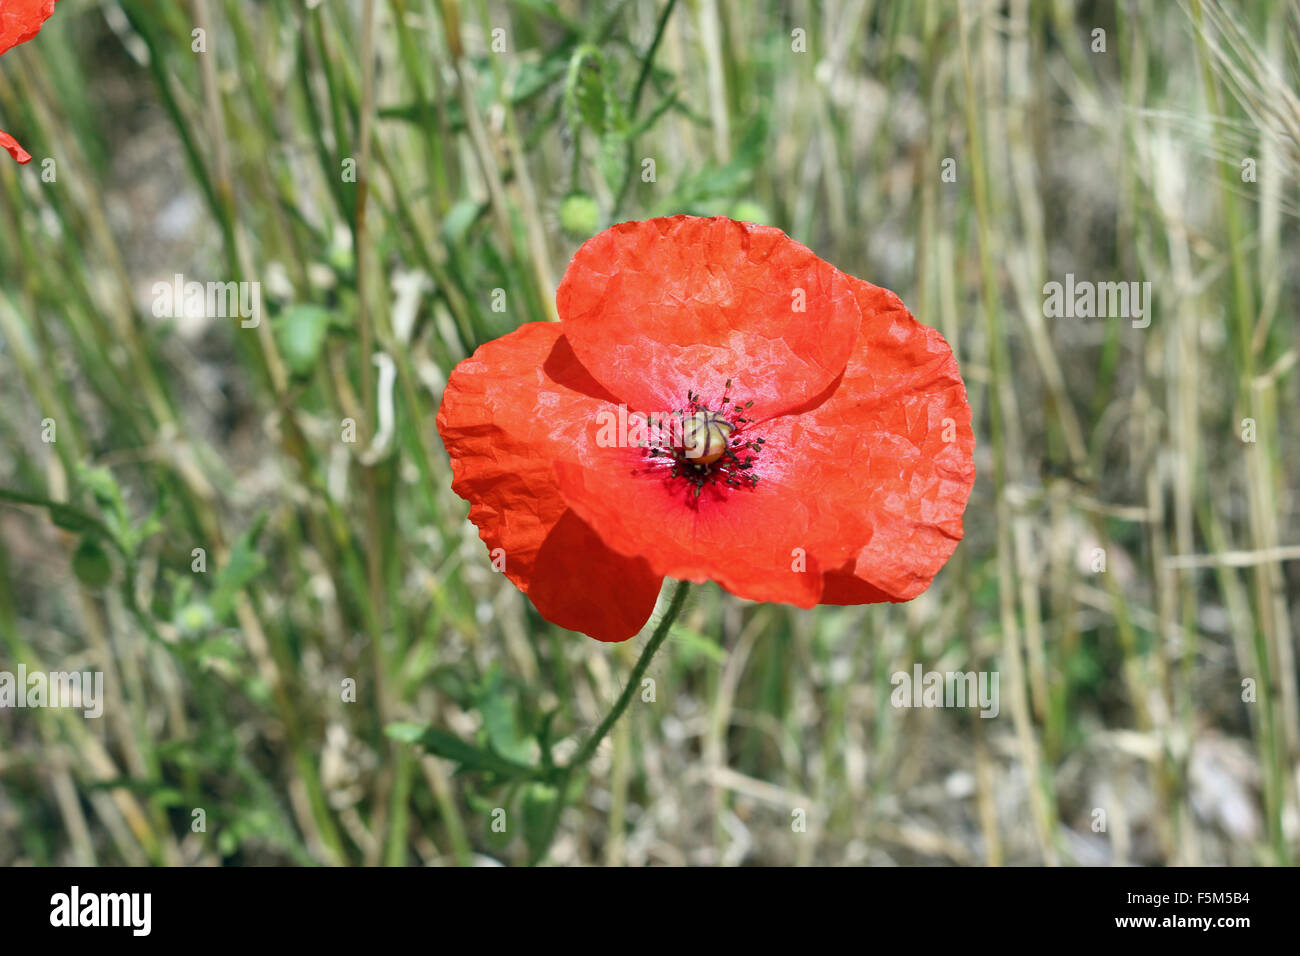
[332, 560]
[467, 757]
[300, 332]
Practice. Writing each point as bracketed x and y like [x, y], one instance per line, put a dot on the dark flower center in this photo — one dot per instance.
[706, 445]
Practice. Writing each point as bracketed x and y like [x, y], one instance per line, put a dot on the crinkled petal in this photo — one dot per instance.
[890, 453]
[860, 492]
[505, 413]
[20, 20]
[10, 145]
[655, 309]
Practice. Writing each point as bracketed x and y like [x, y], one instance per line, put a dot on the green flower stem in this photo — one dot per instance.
[588, 749]
[634, 679]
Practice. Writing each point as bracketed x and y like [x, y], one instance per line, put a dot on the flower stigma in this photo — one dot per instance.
[707, 445]
[705, 436]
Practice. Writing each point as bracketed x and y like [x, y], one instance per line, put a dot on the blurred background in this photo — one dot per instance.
[307, 656]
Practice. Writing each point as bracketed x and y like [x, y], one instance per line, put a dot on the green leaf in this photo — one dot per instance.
[166, 797]
[245, 564]
[499, 719]
[462, 215]
[63, 515]
[301, 331]
[469, 757]
[70, 519]
[107, 493]
[695, 643]
[104, 487]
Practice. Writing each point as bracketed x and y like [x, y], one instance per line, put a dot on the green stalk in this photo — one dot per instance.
[647, 62]
[588, 749]
[1259, 483]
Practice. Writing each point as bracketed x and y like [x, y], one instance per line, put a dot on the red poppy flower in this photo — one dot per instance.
[20, 20]
[793, 434]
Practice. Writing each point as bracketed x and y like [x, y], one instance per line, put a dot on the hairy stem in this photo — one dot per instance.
[588, 749]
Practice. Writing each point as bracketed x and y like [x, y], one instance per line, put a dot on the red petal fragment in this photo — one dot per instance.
[10, 144]
[505, 413]
[889, 455]
[658, 308]
[20, 20]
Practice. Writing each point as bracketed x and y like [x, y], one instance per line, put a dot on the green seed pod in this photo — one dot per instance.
[91, 565]
[579, 215]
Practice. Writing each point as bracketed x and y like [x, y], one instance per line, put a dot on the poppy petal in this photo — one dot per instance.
[505, 412]
[751, 540]
[860, 493]
[655, 309]
[890, 453]
[9, 144]
[20, 20]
